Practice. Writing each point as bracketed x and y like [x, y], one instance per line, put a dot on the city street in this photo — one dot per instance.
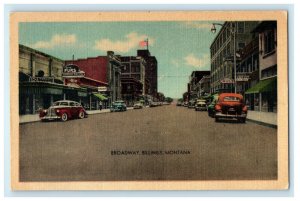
[159, 143]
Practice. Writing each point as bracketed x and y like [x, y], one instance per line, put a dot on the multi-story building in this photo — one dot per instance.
[150, 71]
[203, 86]
[102, 79]
[195, 77]
[233, 35]
[264, 92]
[133, 79]
[248, 71]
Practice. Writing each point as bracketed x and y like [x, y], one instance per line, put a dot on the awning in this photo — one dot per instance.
[263, 86]
[100, 96]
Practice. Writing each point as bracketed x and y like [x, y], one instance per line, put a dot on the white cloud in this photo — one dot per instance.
[56, 40]
[192, 60]
[130, 42]
[198, 25]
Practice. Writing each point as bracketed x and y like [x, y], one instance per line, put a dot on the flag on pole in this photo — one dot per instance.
[143, 43]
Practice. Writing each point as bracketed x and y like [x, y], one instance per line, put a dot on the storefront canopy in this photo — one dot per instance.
[263, 86]
[100, 96]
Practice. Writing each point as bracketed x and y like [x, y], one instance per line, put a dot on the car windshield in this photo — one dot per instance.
[60, 103]
[55, 104]
[231, 98]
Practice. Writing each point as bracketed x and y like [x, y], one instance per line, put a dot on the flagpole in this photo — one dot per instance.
[147, 44]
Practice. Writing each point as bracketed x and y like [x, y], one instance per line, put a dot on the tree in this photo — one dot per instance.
[169, 99]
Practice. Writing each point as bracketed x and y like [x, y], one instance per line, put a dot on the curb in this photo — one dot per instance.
[262, 123]
[38, 119]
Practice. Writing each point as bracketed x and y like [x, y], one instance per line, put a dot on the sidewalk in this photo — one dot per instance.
[264, 118]
[35, 117]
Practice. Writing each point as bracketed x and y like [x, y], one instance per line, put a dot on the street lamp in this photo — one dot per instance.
[232, 30]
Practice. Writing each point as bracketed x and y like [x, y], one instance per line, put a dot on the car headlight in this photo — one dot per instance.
[57, 111]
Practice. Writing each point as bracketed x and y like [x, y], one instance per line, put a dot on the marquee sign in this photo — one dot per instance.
[227, 81]
[101, 89]
[72, 71]
[41, 79]
[242, 78]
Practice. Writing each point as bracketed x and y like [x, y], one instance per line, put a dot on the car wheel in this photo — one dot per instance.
[216, 119]
[242, 120]
[64, 117]
[81, 115]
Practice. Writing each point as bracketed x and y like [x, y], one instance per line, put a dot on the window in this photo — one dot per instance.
[241, 27]
[269, 72]
[269, 41]
[231, 98]
[241, 46]
[64, 103]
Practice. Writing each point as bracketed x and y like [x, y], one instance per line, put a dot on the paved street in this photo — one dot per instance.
[160, 143]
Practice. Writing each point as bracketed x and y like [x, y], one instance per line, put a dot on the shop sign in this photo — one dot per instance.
[73, 82]
[242, 78]
[41, 79]
[72, 71]
[102, 89]
[227, 81]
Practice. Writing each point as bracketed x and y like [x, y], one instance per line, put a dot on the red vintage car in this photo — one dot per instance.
[231, 105]
[63, 110]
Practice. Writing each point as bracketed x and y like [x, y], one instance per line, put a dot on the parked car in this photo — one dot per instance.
[211, 105]
[191, 104]
[200, 105]
[179, 103]
[185, 104]
[138, 105]
[118, 106]
[231, 105]
[63, 110]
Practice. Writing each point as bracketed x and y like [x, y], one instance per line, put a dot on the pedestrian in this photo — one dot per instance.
[100, 105]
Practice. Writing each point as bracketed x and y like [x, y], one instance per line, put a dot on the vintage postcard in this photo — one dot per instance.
[185, 100]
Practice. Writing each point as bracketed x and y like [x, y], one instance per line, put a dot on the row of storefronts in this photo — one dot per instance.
[94, 82]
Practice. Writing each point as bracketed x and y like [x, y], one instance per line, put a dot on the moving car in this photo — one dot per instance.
[63, 110]
[200, 105]
[118, 106]
[231, 105]
[138, 105]
[211, 105]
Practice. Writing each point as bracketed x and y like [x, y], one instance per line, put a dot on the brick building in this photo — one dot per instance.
[134, 83]
[102, 79]
[150, 71]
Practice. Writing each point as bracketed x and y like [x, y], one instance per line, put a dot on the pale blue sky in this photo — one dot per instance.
[180, 47]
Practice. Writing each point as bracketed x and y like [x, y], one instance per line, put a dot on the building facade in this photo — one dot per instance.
[102, 79]
[233, 35]
[194, 79]
[40, 81]
[150, 71]
[203, 86]
[248, 72]
[264, 92]
[134, 83]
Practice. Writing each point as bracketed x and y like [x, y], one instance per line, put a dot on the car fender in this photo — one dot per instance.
[61, 111]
